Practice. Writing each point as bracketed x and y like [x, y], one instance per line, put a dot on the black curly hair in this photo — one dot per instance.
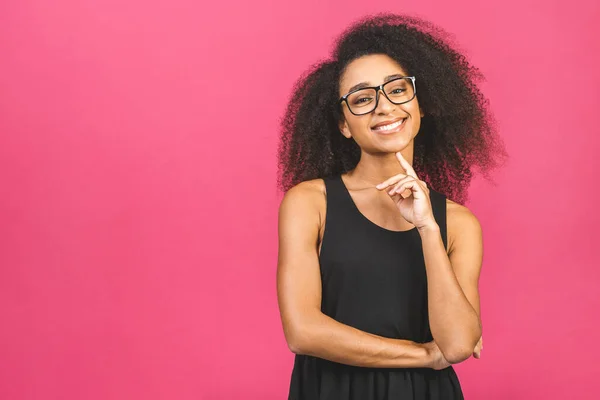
[457, 133]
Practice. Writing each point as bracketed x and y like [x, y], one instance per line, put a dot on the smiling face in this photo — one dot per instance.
[378, 131]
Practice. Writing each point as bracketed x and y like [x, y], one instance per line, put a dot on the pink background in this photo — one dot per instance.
[138, 203]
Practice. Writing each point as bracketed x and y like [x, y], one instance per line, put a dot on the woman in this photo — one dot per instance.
[378, 270]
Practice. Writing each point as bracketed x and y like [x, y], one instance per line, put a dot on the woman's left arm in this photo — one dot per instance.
[452, 283]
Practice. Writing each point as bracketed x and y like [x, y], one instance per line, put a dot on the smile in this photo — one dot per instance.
[395, 127]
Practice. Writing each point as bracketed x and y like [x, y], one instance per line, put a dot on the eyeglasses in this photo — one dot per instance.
[398, 91]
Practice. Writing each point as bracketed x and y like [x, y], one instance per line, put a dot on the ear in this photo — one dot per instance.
[421, 112]
[343, 125]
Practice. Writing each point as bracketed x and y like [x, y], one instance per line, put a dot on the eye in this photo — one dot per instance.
[362, 100]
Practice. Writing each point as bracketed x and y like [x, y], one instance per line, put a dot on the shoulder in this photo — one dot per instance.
[304, 200]
[307, 193]
[463, 227]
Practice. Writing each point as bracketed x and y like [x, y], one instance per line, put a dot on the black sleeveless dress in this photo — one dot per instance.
[373, 279]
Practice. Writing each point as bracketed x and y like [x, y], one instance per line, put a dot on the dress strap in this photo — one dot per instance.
[338, 198]
[438, 204]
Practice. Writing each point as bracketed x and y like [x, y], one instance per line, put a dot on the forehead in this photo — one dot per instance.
[370, 69]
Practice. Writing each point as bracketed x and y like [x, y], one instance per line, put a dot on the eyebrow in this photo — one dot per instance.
[363, 85]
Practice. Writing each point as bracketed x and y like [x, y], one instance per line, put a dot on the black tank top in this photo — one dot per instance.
[373, 279]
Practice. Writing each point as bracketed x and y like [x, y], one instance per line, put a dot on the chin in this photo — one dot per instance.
[399, 142]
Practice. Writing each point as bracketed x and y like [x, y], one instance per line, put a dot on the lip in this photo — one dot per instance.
[389, 121]
[397, 129]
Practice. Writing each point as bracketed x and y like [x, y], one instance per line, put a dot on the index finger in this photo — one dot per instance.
[390, 181]
[406, 165]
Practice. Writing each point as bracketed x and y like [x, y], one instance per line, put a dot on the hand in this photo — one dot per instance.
[478, 348]
[416, 206]
[436, 358]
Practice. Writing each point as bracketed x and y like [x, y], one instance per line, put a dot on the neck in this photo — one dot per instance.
[376, 168]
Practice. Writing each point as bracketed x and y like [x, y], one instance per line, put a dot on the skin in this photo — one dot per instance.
[401, 202]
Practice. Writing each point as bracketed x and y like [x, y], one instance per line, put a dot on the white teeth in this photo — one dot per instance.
[390, 126]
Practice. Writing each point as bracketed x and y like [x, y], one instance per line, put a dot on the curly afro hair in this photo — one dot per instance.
[457, 133]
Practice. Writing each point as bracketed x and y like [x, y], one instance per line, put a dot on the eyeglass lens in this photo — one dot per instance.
[397, 91]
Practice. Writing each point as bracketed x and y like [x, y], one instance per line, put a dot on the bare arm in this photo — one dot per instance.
[452, 282]
[307, 330]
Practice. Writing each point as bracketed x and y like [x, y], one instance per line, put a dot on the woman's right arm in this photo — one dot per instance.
[307, 330]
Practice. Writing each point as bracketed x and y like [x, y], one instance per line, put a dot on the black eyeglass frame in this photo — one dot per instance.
[377, 89]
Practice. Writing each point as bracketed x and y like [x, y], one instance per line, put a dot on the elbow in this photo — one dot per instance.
[294, 344]
[297, 340]
[462, 347]
[300, 333]
[457, 355]
[295, 348]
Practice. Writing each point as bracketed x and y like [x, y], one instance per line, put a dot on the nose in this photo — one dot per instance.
[384, 106]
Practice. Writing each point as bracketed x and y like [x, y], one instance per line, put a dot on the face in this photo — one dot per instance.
[366, 129]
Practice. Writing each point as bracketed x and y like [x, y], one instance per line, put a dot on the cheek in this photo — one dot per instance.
[415, 114]
[361, 127]
[416, 125]
[357, 125]
[412, 108]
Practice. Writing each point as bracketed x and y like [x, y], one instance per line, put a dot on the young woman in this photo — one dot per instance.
[378, 269]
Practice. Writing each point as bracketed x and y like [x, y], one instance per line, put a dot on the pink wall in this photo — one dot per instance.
[138, 202]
